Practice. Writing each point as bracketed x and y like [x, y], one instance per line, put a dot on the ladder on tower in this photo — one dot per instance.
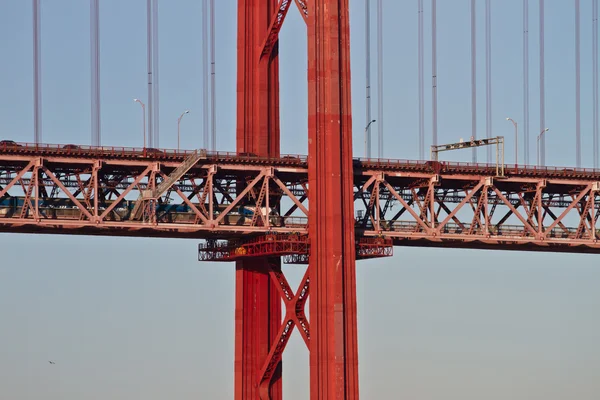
[162, 187]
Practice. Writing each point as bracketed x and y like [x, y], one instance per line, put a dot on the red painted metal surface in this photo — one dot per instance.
[291, 244]
[413, 203]
[95, 194]
[334, 342]
[258, 303]
[272, 244]
[251, 206]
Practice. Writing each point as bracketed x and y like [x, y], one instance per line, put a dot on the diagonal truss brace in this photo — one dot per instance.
[277, 23]
[294, 317]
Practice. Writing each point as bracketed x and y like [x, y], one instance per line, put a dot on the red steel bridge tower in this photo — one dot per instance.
[261, 336]
[256, 206]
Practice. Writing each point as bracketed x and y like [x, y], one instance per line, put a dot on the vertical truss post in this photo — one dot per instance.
[332, 266]
[36, 182]
[539, 205]
[431, 194]
[377, 215]
[95, 170]
[258, 304]
[593, 192]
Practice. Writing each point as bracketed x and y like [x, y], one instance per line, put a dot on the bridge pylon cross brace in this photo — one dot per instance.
[294, 317]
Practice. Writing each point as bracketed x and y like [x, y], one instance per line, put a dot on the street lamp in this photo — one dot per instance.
[144, 114]
[367, 141]
[516, 140]
[538, 145]
[178, 122]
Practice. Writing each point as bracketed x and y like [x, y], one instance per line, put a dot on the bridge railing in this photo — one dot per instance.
[476, 167]
[122, 151]
[383, 163]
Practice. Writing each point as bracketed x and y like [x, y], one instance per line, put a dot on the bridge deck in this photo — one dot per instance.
[72, 189]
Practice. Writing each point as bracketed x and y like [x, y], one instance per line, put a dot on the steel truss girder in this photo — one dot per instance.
[91, 197]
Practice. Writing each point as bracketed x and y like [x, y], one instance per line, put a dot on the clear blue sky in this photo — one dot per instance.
[141, 318]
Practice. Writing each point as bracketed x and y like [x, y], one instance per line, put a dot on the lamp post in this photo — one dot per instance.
[516, 140]
[538, 145]
[144, 114]
[367, 140]
[178, 123]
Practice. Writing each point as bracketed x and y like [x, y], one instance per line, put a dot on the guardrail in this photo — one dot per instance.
[7, 146]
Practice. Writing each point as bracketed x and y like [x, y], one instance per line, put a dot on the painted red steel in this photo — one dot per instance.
[274, 28]
[50, 190]
[259, 246]
[274, 244]
[258, 303]
[251, 206]
[334, 342]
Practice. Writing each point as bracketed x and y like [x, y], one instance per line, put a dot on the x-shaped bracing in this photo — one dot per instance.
[294, 317]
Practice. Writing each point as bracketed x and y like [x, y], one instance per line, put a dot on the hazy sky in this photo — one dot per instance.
[142, 319]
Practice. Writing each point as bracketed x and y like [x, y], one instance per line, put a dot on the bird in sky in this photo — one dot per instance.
[51, 362]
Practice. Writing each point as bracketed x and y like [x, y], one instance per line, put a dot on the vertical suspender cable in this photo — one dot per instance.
[368, 78]
[488, 75]
[595, 78]
[421, 85]
[95, 69]
[434, 70]
[37, 88]
[577, 89]
[205, 110]
[526, 80]
[213, 111]
[380, 77]
[542, 144]
[156, 112]
[473, 77]
[149, 55]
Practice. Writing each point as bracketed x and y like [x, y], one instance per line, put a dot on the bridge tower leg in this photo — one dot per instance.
[332, 268]
[258, 302]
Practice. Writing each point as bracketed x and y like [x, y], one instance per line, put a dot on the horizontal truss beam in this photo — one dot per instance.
[412, 204]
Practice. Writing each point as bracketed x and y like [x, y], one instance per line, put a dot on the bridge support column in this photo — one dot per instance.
[332, 268]
[258, 303]
[257, 322]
